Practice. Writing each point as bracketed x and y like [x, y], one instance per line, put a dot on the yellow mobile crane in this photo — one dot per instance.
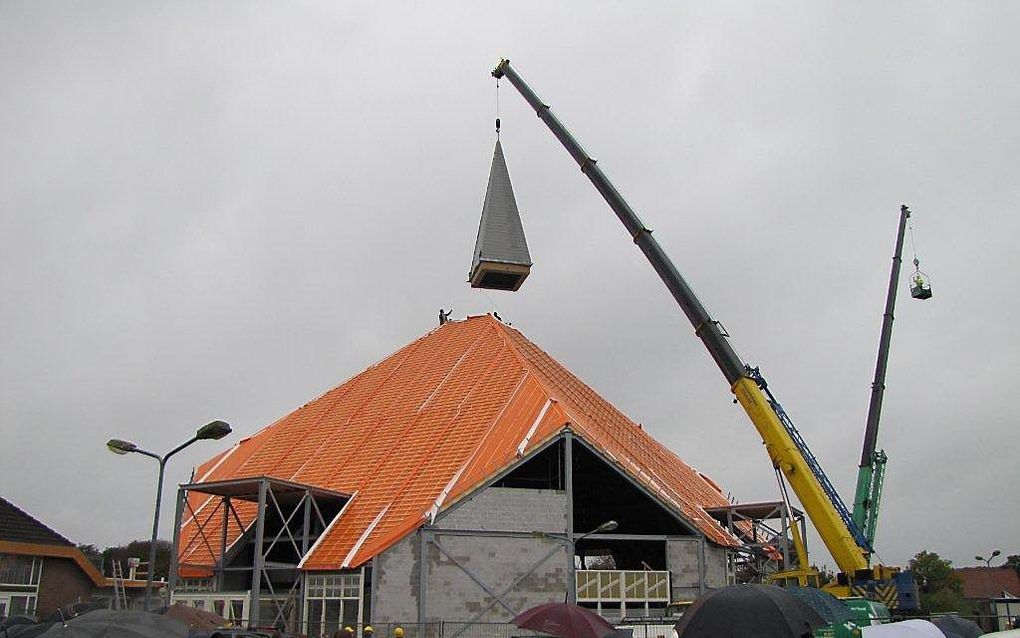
[787, 450]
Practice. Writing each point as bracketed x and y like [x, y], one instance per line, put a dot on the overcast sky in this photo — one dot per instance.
[221, 210]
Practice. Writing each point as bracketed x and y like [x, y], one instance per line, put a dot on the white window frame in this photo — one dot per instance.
[326, 586]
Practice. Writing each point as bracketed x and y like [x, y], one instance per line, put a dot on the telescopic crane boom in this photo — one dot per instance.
[785, 447]
[871, 471]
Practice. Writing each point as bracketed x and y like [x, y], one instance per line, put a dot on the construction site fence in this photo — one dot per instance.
[654, 628]
[467, 629]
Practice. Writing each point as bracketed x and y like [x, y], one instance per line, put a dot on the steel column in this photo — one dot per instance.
[258, 561]
[568, 484]
[423, 570]
[221, 576]
[176, 545]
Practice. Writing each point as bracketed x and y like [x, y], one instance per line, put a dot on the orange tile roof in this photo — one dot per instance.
[421, 429]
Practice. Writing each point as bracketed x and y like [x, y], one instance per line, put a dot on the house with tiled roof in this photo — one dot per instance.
[463, 479]
[995, 591]
[40, 570]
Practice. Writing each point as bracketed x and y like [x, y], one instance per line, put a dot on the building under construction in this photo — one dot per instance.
[461, 480]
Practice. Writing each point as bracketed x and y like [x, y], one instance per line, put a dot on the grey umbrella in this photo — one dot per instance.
[832, 609]
[739, 611]
[959, 626]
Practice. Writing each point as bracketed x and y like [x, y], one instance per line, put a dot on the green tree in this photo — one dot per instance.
[1013, 560]
[93, 554]
[940, 586]
[140, 550]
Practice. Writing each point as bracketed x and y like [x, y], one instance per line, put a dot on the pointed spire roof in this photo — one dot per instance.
[500, 232]
[427, 426]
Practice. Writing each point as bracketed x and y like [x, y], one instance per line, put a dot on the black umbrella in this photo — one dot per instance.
[832, 609]
[28, 631]
[107, 623]
[956, 625]
[738, 611]
[20, 619]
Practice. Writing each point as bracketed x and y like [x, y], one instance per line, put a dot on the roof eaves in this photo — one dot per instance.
[55, 551]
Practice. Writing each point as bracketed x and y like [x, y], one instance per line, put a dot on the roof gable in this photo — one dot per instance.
[18, 526]
[423, 428]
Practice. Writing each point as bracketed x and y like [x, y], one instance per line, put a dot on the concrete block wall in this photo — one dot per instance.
[716, 566]
[494, 551]
[521, 571]
[683, 558]
[395, 582]
[509, 509]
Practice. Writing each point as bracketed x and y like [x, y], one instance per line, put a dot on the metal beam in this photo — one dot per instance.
[509, 589]
[423, 573]
[176, 545]
[258, 560]
[568, 484]
[221, 575]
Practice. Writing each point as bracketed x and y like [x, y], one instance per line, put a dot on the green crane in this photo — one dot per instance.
[871, 471]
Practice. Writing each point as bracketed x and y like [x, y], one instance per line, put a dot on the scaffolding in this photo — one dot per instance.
[279, 525]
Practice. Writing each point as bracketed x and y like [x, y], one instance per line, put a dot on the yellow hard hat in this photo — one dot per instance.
[368, 629]
[399, 632]
[349, 628]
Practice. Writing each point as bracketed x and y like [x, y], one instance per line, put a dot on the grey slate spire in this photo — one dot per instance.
[501, 260]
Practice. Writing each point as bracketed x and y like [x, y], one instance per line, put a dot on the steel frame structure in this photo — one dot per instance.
[737, 518]
[289, 501]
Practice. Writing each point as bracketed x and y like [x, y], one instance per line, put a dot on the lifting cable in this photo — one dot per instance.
[497, 109]
[913, 245]
[920, 283]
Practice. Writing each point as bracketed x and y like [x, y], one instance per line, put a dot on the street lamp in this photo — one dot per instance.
[210, 431]
[608, 526]
[988, 561]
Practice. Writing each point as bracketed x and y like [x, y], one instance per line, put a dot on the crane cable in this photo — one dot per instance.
[497, 109]
[913, 246]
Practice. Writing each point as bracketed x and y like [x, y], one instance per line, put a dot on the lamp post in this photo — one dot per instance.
[210, 431]
[988, 561]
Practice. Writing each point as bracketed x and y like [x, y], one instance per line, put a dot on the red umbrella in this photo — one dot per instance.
[565, 620]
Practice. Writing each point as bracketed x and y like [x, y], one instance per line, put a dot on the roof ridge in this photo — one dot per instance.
[546, 383]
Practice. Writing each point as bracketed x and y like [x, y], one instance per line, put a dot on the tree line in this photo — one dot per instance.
[104, 559]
